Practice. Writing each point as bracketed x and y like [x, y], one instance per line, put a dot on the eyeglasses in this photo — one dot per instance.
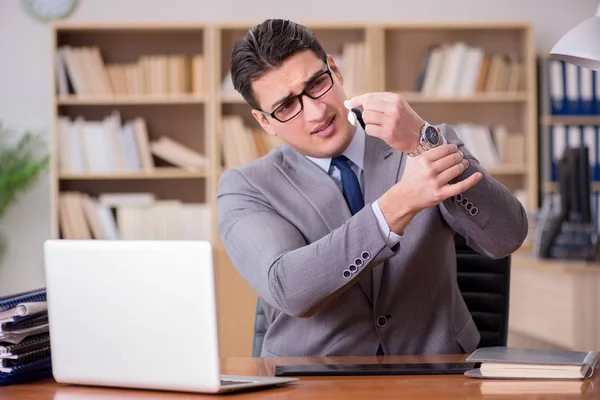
[317, 88]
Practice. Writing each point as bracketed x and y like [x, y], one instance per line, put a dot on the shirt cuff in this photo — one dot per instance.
[392, 238]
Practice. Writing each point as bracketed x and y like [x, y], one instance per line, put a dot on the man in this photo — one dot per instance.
[353, 255]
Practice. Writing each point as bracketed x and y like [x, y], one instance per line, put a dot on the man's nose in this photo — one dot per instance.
[314, 110]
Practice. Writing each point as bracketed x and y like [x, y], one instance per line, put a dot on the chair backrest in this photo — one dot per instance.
[484, 284]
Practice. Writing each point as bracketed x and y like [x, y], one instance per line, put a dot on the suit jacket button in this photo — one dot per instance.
[381, 321]
[358, 262]
[352, 268]
[458, 197]
[473, 211]
[365, 255]
[464, 201]
[346, 274]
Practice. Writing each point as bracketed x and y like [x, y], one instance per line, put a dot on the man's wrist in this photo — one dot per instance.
[396, 215]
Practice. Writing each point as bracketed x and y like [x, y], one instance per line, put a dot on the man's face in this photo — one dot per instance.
[321, 129]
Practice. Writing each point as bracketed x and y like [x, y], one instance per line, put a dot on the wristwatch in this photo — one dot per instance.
[429, 138]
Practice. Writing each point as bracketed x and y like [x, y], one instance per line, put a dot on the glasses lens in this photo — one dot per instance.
[320, 86]
[288, 109]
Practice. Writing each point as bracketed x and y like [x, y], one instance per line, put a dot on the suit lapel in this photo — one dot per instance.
[316, 186]
[381, 172]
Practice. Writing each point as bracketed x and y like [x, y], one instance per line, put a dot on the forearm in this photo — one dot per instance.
[488, 215]
[305, 279]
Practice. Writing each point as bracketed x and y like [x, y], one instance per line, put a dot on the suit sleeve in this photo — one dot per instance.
[491, 219]
[272, 255]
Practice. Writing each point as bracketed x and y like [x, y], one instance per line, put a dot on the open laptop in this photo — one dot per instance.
[137, 314]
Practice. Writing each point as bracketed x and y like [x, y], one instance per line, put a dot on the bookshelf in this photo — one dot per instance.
[569, 116]
[130, 85]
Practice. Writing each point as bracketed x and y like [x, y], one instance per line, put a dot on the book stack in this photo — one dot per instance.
[24, 337]
[517, 363]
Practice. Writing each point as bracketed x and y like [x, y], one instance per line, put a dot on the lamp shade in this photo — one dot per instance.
[581, 45]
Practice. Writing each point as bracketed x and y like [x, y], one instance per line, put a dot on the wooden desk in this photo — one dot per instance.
[368, 387]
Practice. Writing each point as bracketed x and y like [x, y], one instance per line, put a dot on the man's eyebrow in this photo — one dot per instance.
[290, 95]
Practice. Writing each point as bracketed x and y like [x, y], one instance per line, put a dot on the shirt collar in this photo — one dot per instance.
[355, 151]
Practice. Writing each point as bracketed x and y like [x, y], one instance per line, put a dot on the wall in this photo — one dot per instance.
[25, 81]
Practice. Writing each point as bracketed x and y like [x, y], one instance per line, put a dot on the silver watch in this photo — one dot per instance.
[429, 138]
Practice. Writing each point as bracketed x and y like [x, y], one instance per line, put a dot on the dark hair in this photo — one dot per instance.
[265, 47]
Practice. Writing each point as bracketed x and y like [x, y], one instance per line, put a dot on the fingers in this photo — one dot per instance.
[440, 152]
[452, 172]
[372, 100]
[375, 118]
[459, 187]
[446, 162]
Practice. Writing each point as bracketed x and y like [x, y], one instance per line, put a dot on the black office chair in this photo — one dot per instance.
[484, 284]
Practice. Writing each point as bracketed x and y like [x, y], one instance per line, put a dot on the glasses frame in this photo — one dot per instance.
[301, 94]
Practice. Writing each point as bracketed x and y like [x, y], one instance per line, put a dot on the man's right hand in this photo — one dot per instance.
[424, 184]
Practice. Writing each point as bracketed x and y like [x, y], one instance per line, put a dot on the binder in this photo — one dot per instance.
[25, 358]
[26, 372]
[11, 301]
[31, 343]
[25, 323]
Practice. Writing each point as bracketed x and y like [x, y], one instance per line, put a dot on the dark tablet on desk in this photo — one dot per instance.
[374, 369]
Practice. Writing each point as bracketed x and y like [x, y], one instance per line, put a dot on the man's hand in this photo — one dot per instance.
[389, 117]
[424, 184]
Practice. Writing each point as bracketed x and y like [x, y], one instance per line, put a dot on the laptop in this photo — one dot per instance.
[137, 314]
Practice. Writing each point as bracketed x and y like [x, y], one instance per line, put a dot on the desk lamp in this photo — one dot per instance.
[581, 45]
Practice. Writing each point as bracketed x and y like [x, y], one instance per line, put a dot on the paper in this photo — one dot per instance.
[351, 116]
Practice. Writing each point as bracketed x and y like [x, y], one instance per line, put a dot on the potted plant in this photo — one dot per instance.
[22, 159]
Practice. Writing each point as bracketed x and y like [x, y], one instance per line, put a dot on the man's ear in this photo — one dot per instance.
[335, 69]
[264, 122]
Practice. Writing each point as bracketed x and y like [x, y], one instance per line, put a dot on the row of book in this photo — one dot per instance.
[83, 72]
[131, 216]
[243, 144]
[492, 145]
[457, 69]
[116, 146]
[568, 89]
[24, 337]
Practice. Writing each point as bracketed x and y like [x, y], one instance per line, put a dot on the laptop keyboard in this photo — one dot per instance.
[227, 383]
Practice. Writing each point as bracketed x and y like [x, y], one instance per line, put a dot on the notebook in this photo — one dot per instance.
[511, 363]
[137, 314]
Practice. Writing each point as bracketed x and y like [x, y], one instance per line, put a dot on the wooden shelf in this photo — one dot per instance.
[159, 173]
[130, 100]
[551, 187]
[412, 97]
[570, 120]
[230, 99]
[508, 169]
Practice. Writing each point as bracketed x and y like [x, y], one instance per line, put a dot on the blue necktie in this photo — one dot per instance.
[350, 185]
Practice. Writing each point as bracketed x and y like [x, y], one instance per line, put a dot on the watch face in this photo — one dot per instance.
[432, 136]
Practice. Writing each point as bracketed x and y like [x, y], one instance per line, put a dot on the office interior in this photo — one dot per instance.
[507, 115]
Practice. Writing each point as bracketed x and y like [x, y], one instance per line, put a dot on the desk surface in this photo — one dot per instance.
[368, 387]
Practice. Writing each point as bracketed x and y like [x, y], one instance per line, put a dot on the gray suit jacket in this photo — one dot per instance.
[288, 231]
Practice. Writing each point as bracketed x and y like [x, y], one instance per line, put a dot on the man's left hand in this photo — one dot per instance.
[389, 117]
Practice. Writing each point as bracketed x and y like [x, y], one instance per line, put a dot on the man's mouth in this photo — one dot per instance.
[325, 126]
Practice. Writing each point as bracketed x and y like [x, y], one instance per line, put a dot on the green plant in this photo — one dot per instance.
[23, 158]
